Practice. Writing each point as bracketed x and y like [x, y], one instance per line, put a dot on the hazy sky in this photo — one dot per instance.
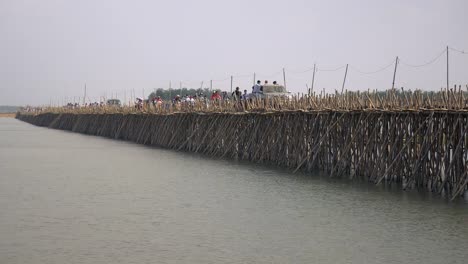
[50, 49]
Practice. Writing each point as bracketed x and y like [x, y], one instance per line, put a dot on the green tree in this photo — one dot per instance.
[168, 94]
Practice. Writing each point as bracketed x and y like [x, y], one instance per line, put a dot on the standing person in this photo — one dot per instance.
[257, 88]
[265, 84]
[215, 96]
[236, 94]
[139, 103]
[177, 99]
[158, 101]
[244, 96]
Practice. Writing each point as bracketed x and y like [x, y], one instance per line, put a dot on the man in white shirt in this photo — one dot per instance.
[257, 88]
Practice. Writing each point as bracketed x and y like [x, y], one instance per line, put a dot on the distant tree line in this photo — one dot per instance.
[167, 94]
[8, 109]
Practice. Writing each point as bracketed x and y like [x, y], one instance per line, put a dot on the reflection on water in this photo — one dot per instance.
[70, 198]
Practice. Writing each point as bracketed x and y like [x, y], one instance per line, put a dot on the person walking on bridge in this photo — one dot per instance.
[215, 96]
[236, 95]
[257, 88]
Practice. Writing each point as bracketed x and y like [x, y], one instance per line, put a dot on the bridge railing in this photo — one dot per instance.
[454, 99]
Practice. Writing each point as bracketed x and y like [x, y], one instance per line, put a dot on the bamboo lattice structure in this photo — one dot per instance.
[414, 140]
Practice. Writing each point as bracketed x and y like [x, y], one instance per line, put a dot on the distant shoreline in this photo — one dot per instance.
[7, 115]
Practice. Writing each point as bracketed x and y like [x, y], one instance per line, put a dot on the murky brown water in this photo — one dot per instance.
[70, 198]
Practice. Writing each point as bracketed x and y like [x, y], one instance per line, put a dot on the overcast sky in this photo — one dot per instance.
[50, 49]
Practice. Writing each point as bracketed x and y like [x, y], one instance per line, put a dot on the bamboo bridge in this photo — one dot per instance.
[414, 141]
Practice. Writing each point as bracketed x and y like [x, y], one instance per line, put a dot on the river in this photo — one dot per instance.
[71, 198]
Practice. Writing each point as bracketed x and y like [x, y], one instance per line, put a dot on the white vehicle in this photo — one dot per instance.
[271, 91]
[113, 102]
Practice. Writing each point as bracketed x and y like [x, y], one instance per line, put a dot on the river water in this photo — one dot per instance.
[71, 198]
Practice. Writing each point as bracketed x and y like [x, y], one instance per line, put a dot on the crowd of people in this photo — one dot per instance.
[236, 95]
[187, 100]
[77, 105]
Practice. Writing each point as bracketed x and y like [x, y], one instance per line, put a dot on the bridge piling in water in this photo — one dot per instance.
[414, 149]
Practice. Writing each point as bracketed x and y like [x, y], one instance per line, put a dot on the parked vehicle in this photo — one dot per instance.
[113, 102]
[271, 91]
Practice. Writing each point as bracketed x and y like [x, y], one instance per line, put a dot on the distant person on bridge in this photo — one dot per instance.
[215, 96]
[244, 96]
[236, 94]
[176, 99]
[257, 88]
